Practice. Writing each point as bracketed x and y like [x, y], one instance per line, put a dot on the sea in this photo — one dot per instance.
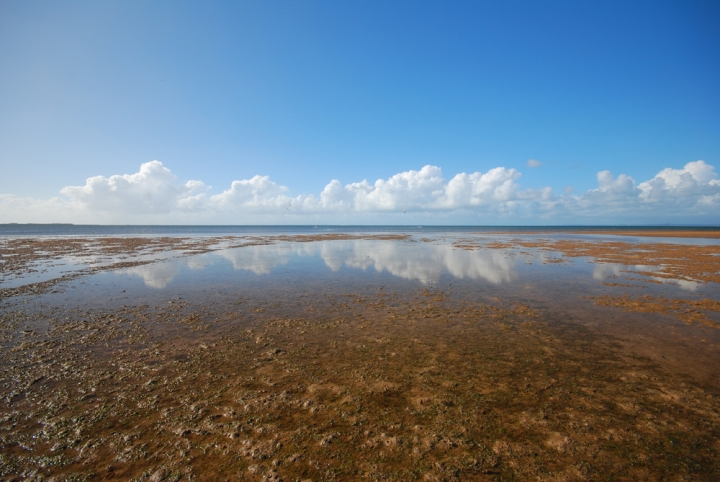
[13, 229]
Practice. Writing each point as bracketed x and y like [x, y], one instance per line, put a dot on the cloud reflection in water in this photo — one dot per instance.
[156, 275]
[422, 262]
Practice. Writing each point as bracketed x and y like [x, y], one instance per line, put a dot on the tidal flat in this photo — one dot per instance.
[466, 356]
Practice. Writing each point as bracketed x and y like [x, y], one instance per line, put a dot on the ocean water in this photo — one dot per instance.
[199, 230]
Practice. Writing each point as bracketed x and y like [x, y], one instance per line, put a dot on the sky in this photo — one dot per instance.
[307, 112]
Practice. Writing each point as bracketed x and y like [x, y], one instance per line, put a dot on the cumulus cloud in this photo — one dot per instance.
[425, 189]
[616, 194]
[405, 190]
[154, 194]
[689, 192]
[151, 190]
[259, 191]
[697, 182]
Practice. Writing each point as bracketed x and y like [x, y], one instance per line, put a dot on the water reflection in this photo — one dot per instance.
[425, 263]
[156, 275]
[607, 270]
[258, 259]
[159, 275]
[603, 271]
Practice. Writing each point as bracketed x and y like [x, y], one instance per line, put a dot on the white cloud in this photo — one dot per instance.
[410, 189]
[154, 195]
[696, 180]
[425, 189]
[534, 163]
[257, 192]
[151, 190]
[673, 195]
[495, 187]
[613, 194]
[14, 209]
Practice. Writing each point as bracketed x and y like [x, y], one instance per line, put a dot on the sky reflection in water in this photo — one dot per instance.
[423, 262]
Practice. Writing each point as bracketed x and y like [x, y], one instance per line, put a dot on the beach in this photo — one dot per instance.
[392, 355]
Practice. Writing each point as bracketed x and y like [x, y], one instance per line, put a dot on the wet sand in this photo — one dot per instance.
[317, 378]
[684, 265]
[712, 233]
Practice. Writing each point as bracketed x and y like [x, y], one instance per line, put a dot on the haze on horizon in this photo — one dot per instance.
[376, 112]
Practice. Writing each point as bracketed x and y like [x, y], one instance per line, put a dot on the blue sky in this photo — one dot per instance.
[309, 92]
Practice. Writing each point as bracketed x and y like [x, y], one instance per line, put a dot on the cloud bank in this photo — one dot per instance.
[154, 195]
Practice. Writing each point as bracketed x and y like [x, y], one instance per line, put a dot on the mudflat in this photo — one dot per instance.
[339, 357]
[713, 233]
